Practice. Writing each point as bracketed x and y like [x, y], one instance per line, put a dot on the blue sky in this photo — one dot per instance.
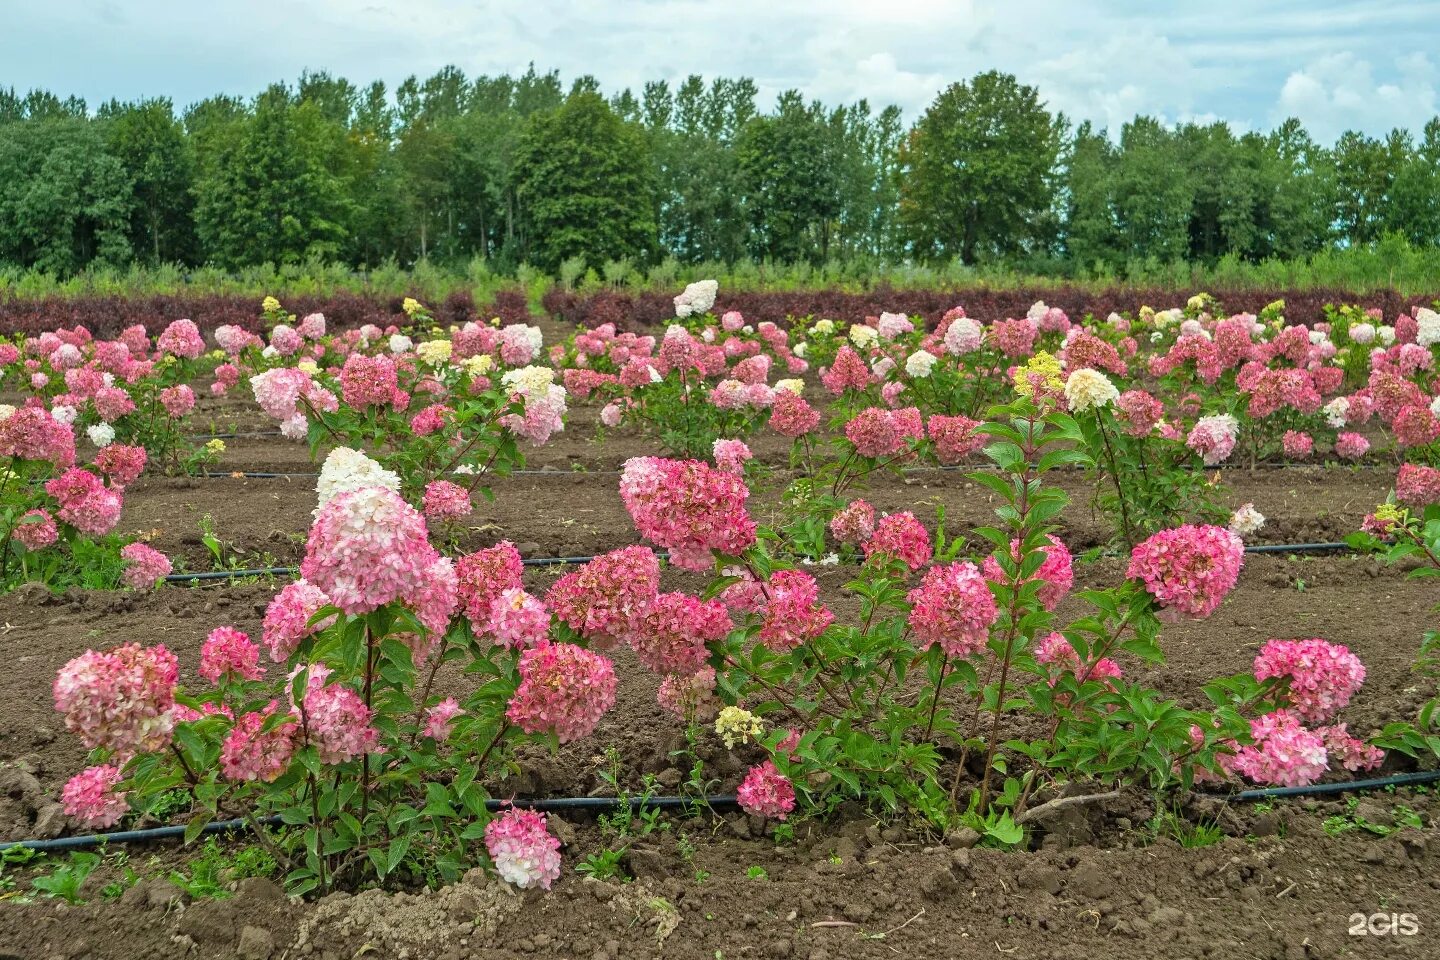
[1336, 65]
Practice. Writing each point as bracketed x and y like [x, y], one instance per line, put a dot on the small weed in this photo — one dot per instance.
[65, 881]
[604, 865]
[757, 873]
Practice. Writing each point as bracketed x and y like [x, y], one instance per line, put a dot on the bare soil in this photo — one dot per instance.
[1097, 882]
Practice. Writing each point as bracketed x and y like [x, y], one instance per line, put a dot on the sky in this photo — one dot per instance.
[1369, 65]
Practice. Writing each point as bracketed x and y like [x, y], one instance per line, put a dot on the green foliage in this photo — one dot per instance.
[64, 882]
[584, 186]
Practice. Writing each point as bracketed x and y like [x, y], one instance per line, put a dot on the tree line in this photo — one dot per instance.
[520, 169]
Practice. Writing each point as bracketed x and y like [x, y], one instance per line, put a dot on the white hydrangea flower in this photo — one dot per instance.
[1246, 521]
[862, 335]
[823, 326]
[1427, 327]
[62, 412]
[1088, 389]
[1337, 412]
[399, 343]
[1386, 334]
[792, 384]
[919, 364]
[102, 435]
[528, 380]
[1363, 333]
[345, 470]
[696, 298]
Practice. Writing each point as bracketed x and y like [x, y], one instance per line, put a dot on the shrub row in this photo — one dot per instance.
[107, 315]
[633, 310]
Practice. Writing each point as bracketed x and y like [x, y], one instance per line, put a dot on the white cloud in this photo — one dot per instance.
[1251, 64]
[1340, 92]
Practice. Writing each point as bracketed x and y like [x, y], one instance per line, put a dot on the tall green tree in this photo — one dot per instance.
[65, 200]
[150, 141]
[978, 171]
[583, 185]
[790, 182]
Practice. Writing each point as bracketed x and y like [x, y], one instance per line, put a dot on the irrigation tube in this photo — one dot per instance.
[1325, 789]
[292, 571]
[714, 802]
[218, 575]
[553, 805]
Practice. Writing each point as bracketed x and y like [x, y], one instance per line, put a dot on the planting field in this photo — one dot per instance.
[942, 747]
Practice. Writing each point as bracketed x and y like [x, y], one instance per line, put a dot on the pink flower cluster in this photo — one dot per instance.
[564, 690]
[522, 848]
[334, 719]
[120, 700]
[953, 607]
[446, 501]
[85, 502]
[250, 752]
[855, 524]
[287, 618]
[91, 798]
[482, 577]
[518, 620]
[689, 507]
[1417, 485]
[1322, 676]
[1056, 574]
[229, 652]
[599, 600]
[793, 612]
[672, 633]
[901, 536]
[1190, 568]
[766, 792]
[144, 566]
[369, 548]
[1057, 652]
[689, 697]
[954, 437]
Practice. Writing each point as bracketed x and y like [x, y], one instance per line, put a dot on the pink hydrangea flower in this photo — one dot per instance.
[368, 548]
[689, 507]
[690, 696]
[874, 433]
[1213, 438]
[182, 338]
[120, 700]
[855, 524]
[1056, 573]
[334, 719]
[446, 501]
[792, 416]
[122, 464]
[1351, 446]
[848, 372]
[793, 611]
[1285, 752]
[670, 635]
[599, 600]
[1139, 412]
[1189, 568]
[144, 566]
[1417, 485]
[368, 381]
[1297, 444]
[287, 618]
[1322, 676]
[248, 753]
[91, 798]
[32, 433]
[522, 848]
[731, 456]
[766, 792]
[483, 576]
[901, 536]
[1351, 753]
[85, 502]
[36, 530]
[228, 651]
[954, 437]
[518, 620]
[1057, 652]
[953, 607]
[564, 689]
[438, 719]
[178, 400]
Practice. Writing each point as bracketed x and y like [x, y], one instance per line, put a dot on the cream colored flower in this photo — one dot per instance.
[736, 725]
[1088, 389]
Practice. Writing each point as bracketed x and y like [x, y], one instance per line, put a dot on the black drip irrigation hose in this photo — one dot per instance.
[292, 571]
[552, 805]
[219, 575]
[1328, 789]
[714, 802]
